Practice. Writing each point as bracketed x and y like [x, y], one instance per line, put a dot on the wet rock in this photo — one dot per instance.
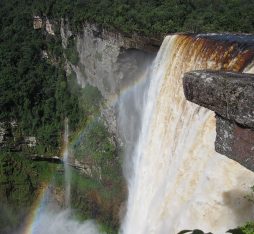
[231, 96]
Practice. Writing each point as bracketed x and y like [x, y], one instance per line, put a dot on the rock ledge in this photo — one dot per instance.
[231, 96]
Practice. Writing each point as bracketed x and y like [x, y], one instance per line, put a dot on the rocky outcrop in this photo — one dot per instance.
[37, 22]
[11, 139]
[40, 22]
[49, 27]
[231, 96]
[2, 133]
[228, 94]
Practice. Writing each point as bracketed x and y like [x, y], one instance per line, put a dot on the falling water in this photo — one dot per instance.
[45, 219]
[67, 173]
[63, 223]
[178, 181]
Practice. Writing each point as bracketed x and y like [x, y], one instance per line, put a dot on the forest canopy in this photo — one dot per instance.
[153, 17]
[34, 90]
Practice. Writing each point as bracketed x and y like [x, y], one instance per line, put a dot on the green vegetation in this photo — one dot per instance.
[19, 180]
[155, 17]
[91, 198]
[106, 229]
[95, 142]
[34, 90]
[248, 228]
[71, 51]
[37, 94]
[97, 194]
[24, 180]
[89, 98]
[94, 198]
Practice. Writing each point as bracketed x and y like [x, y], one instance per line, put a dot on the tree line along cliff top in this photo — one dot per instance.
[155, 17]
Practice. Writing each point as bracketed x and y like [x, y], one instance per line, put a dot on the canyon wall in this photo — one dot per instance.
[108, 60]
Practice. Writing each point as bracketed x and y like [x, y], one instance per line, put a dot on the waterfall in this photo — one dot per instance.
[175, 178]
[67, 173]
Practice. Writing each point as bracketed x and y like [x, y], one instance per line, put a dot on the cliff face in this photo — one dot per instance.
[108, 60]
[231, 96]
[111, 62]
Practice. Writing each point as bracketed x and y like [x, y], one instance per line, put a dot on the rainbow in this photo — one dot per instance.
[37, 209]
[39, 205]
[111, 101]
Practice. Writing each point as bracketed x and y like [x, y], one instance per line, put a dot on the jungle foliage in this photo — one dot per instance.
[156, 17]
[20, 180]
[34, 90]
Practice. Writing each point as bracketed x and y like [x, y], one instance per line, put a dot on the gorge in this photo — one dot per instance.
[98, 132]
[175, 178]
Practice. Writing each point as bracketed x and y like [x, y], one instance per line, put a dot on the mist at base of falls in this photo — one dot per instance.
[63, 223]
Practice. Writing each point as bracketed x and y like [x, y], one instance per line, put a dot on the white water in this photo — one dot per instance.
[67, 172]
[63, 223]
[177, 180]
